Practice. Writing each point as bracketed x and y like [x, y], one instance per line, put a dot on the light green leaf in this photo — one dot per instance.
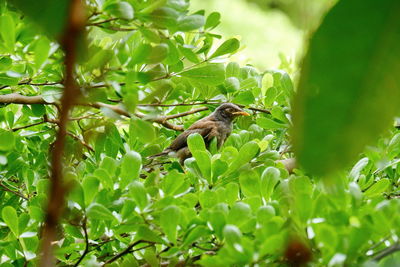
[269, 178]
[42, 49]
[139, 194]
[191, 23]
[212, 20]
[250, 183]
[212, 74]
[7, 140]
[99, 212]
[90, 186]
[378, 188]
[121, 10]
[131, 165]
[10, 217]
[7, 31]
[269, 124]
[169, 220]
[227, 47]
[246, 153]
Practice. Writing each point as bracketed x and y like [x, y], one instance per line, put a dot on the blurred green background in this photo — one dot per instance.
[267, 29]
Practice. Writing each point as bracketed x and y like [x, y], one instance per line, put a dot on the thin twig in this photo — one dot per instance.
[86, 251]
[386, 252]
[5, 188]
[101, 22]
[81, 141]
[128, 250]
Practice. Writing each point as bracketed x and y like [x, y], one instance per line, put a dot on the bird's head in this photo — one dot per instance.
[229, 111]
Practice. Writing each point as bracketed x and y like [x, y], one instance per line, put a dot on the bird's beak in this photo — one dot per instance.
[241, 113]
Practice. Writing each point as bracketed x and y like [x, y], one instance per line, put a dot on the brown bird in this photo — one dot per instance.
[216, 125]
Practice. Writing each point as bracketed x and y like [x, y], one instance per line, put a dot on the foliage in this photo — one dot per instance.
[146, 64]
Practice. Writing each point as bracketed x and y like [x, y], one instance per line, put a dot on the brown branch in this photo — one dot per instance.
[123, 112]
[183, 114]
[128, 250]
[86, 251]
[21, 99]
[81, 141]
[5, 188]
[386, 252]
[55, 206]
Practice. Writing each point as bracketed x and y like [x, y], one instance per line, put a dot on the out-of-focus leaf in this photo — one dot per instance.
[50, 15]
[351, 60]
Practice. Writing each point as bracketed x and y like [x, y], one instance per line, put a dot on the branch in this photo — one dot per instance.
[21, 99]
[5, 188]
[123, 112]
[101, 22]
[55, 206]
[81, 141]
[128, 250]
[386, 252]
[86, 251]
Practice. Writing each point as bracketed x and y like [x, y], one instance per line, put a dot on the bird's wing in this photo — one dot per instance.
[203, 127]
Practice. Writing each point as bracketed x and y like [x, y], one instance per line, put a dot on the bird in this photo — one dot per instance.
[216, 125]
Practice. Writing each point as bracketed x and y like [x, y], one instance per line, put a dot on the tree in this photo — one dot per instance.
[88, 93]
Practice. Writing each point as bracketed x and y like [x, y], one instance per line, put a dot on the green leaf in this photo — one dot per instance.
[232, 235]
[244, 98]
[378, 188]
[351, 68]
[164, 17]
[144, 233]
[42, 49]
[104, 177]
[7, 31]
[232, 84]
[250, 183]
[7, 140]
[239, 214]
[10, 218]
[269, 124]
[158, 54]
[169, 220]
[195, 234]
[196, 142]
[143, 130]
[246, 153]
[139, 194]
[131, 165]
[99, 212]
[212, 20]
[191, 23]
[269, 179]
[227, 47]
[121, 10]
[172, 182]
[212, 74]
[90, 185]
